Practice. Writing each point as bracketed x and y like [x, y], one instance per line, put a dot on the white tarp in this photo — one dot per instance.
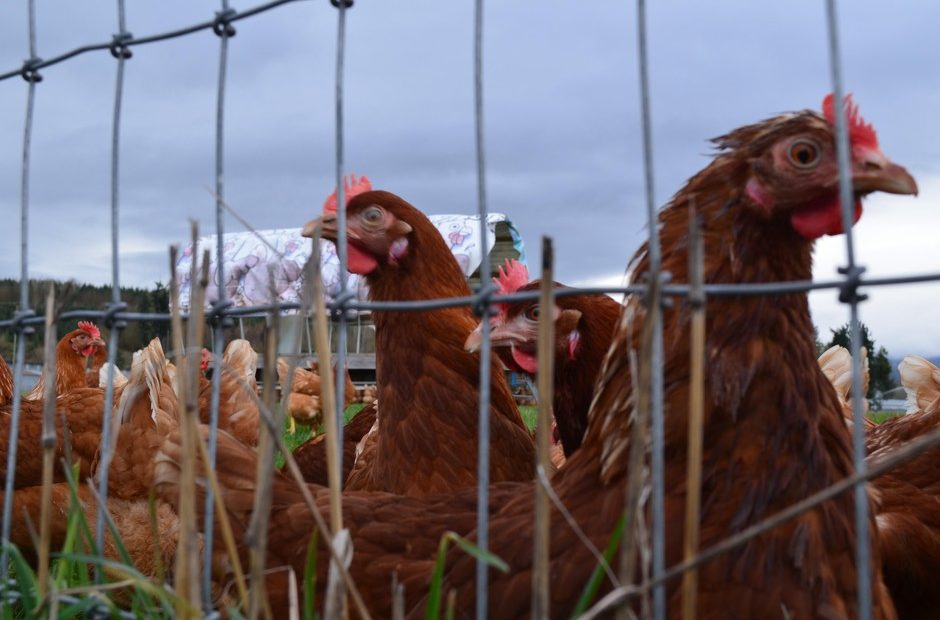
[250, 263]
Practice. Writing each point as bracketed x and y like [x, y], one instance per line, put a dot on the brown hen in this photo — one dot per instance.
[774, 432]
[909, 503]
[72, 353]
[6, 382]
[145, 414]
[238, 390]
[584, 327]
[77, 420]
[311, 454]
[427, 383]
[836, 364]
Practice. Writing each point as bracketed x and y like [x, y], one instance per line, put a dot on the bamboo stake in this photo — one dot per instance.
[328, 405]
[541, 558]
[221, 514]
[257, 536]
[320, 523]
[327, 394]
[48, 444]
[693, 496]
[294, 470]
[187, 581]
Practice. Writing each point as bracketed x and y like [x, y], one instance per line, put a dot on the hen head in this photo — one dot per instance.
[516, 324]
[794, 171]
[377, 233]
[85, 340]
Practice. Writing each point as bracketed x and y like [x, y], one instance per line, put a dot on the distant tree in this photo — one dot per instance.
[879, 368]
[820, 347]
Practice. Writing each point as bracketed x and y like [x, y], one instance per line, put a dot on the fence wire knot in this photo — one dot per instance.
[30, 70]
[118, 47]
[348, 3]
[848, 290]
[20, 325]
[664, 278]
[338, 307]
[222, 25]
[484, 299]
[216, 315]
[109, 318]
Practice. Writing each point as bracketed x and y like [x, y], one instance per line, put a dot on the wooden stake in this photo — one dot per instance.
[541, 558]
[48, 443]
[329, 407]
[187, 582]
[327, 387]
[257, 536]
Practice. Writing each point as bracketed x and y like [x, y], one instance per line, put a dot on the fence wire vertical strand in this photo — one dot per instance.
[862, 542]
[341, 245]
[20, 360]
[483, 458]
[218, 333]
[656, 378]
[114, 334]
[18, 364]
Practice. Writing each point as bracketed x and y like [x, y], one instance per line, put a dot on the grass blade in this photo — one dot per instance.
[597, 576]
[433, 611]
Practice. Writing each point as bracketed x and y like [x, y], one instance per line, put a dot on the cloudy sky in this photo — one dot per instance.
[562, 125]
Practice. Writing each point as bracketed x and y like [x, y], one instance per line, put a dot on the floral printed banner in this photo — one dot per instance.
[254, 263]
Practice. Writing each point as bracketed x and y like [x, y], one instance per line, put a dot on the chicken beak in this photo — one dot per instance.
[328, 228]
[326, 224]
[501, 335]
[97, 342]
[882, 175]
[400, 228]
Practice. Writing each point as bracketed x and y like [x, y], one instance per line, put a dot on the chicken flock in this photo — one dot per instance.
[777, 421]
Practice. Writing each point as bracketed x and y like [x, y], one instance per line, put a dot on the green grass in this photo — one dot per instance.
[880, 416]
[303, 432]
[530, 415]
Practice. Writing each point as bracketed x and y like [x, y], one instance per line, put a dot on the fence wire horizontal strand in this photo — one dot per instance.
[477, 300]
[113, 316]
[170, 34]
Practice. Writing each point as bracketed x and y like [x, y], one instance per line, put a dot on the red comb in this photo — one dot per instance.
[513, 276]
[351, 187]
[90, 328]
[206, 356]
[860, 132]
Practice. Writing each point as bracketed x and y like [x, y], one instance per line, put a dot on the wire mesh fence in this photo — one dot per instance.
[220, 315]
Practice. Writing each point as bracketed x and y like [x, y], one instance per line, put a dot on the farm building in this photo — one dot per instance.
[252, 259]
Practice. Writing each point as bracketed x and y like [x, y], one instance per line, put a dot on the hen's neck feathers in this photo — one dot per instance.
[760, 356]
[575, 378]
[69, 371]
[428, 384]
[70, 367]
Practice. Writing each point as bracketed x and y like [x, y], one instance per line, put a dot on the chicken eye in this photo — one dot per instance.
[803, 153]
[372, 215]
[532, 313]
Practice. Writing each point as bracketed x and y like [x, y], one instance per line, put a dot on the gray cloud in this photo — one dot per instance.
[562, 117]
